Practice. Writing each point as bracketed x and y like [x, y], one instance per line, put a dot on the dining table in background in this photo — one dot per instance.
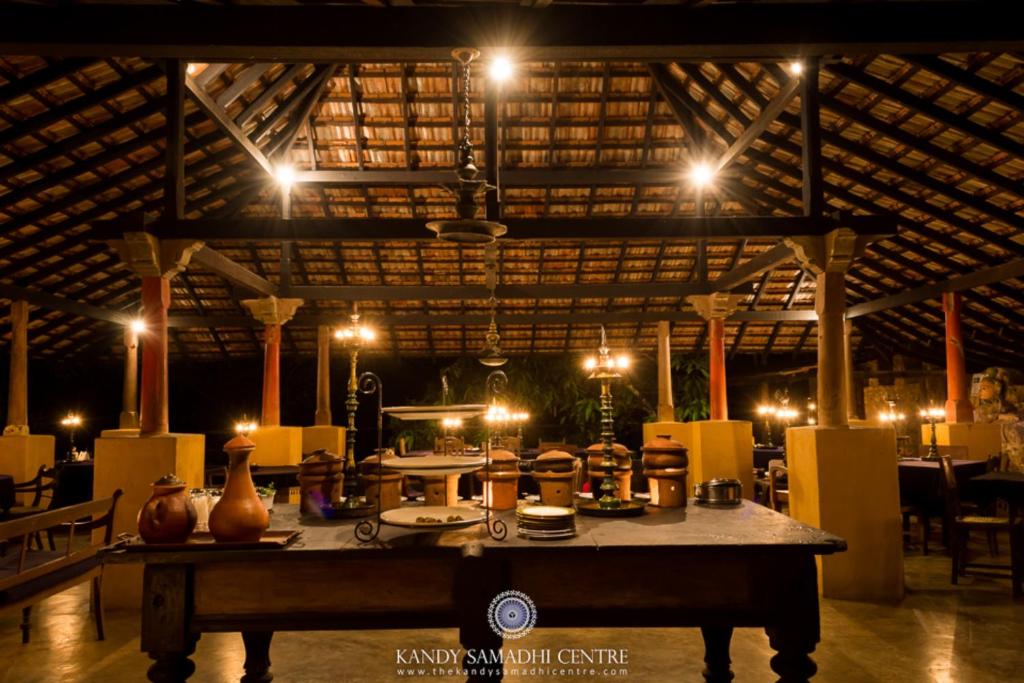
[1007, 486]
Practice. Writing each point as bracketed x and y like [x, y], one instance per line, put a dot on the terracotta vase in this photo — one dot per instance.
[554, 472]
[169, 515]
[321, 475]
[239, 515]
[665, 466]
[386, 484]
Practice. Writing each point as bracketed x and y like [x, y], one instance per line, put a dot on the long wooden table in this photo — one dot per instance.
[715, 569]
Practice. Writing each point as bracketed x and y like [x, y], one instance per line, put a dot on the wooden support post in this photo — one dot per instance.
[830, 304]
[270, 415]
[716, 369]
[129, 418]
[810, 124]
[715, 308]
[323, 376]
[156, 299]
[958, 401]
[174, 172]
[851, 385]
[156, 262]
[273, 313]
[17, 383]
[666, 407]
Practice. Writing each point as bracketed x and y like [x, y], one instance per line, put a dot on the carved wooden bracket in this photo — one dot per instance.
[272, 310]
[715, 305]
[148, 256]
[831, 253]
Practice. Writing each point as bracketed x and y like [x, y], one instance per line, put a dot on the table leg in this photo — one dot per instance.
[477, 582]
[793, 663]
[166, 611]
[172, 666]
[716, 653]
[257, 656]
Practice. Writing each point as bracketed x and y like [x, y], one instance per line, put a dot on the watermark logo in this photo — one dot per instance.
[512, 614]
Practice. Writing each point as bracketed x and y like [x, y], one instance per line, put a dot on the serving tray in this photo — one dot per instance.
[203, 540]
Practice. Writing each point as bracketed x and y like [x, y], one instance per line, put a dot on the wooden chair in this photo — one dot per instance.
[777, 495]
[41, 487]
[960, 527]
[509, 443]
[450, 445]
[27, 576]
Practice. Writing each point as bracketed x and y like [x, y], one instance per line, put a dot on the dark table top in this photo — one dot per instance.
[748, 526]
[1006, 485]
[934, 465]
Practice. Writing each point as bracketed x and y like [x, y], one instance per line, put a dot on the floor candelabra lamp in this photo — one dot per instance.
[605, 368]
[353, 338]
[766, 412]
[933, 415]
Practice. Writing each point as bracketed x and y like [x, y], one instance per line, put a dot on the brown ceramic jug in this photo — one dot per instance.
[239, 515]
[169, 515]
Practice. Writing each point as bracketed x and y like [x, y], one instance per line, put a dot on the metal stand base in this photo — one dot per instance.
[361, 509]
[627, 508]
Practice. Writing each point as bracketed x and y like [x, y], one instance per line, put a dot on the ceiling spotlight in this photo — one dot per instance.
[285, 176]
[701, 174]
[138, 325]
[501, 69]
[796, 68]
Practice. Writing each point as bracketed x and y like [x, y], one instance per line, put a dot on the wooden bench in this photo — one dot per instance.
[28, 576]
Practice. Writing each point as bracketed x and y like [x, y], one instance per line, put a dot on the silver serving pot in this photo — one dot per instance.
[718, 492]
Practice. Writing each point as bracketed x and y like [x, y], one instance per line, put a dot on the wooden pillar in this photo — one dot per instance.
[715, 308]
[273, 313]
[129, 418]
[851, 385]
[156, 262]
[830, 304]
[666, 406]
[716, 369]
[958, 397]
[270, 416]
[323, 376]
[156, 299]
[17, 383]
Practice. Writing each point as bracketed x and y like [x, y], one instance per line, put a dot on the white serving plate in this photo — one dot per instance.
[545, 512]
[434, 465]
[406, 517]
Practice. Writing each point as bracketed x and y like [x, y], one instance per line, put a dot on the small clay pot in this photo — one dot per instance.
[321, 476]
[168, 516]
[503, 461]
[555, 487]
[667, 487]
[554, 461]
[389, 484]
[501, 489]
[663, 452]
[441, 490]
[239, 516]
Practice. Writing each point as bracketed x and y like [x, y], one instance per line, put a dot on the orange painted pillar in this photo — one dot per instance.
[156, 299]
[271, 416]
[958, 401]
[716, 369]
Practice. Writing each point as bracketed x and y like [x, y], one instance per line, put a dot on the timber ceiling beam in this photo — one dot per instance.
[219, 116]
[610, 228]
[752, 269]
[652, 33]
[985, 276]
[53, 302]
[234, 273]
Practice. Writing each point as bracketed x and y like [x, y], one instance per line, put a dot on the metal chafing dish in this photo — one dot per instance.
[719, 492]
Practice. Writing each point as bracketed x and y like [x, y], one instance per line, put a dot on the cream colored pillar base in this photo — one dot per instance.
[323, 436]
[277, 446]
[21, 456]
[717, 448]
[844, 480]
[132, 464]
[120, 433]
[981, 438]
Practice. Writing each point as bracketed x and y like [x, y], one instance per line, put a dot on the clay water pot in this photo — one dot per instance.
[623, 469]
[667, 486]
[555, 472]
[442, 489]
[239, 516]
[501, 480]
[168, 516]
[664, 452]
[386, 484]
[321, 475]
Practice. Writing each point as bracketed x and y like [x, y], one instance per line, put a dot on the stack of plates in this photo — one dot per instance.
[546, 522]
